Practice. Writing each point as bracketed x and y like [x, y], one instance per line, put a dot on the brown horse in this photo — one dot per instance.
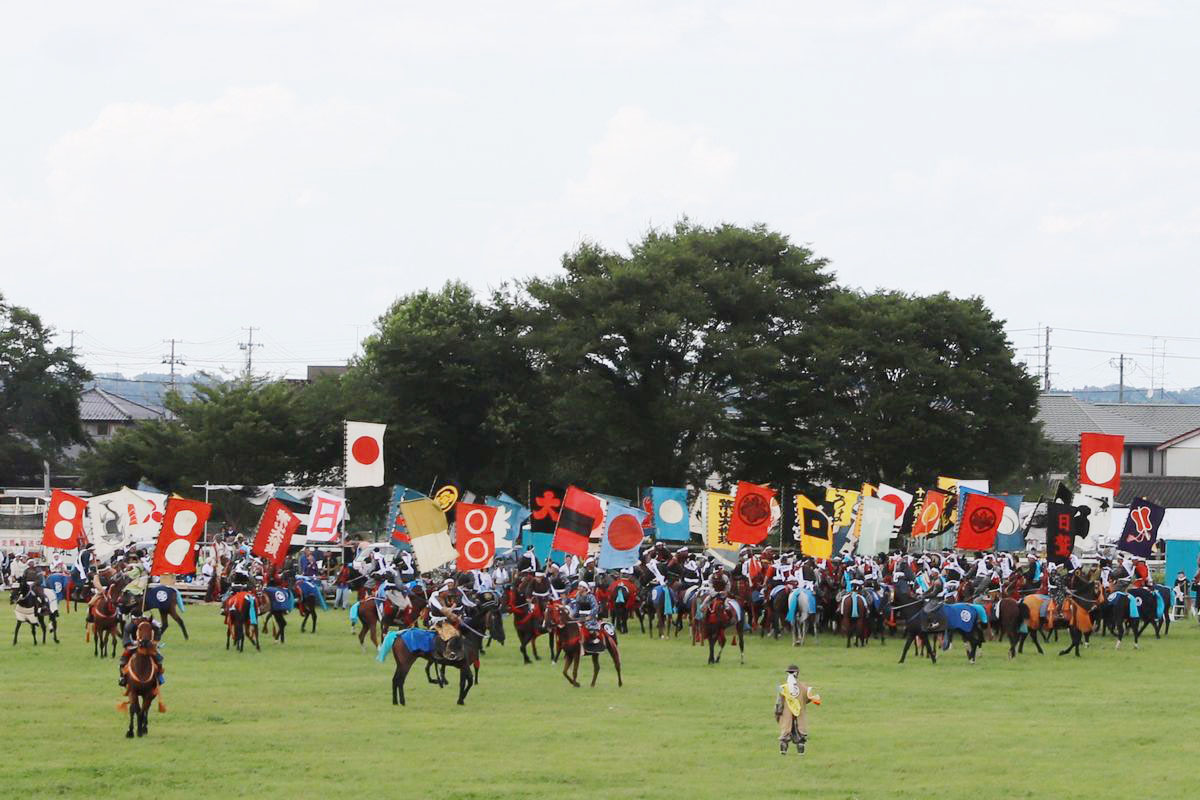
[855, 612]
[398, 612]
[104, 626]
[141, 680]
[528, 620]
[469, 659]
[716, 615]
[622, 597]
[1014, 614]
[576, 639]
[239, 610]
[1071, 611]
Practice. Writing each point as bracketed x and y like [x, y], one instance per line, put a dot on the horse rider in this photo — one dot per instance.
[584, 606]
[1141, 574]
[445, 607]
[131, 644]
[81, 568]
[406, 565]
[690, 570]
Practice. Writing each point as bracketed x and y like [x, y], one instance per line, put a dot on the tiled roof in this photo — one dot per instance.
[1167, 491]
[97, 405]
[1064, 417]
[1169, 420]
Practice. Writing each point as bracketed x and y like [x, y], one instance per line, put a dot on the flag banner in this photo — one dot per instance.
[670, 514]
[1141, 528]
[581, 514]
[395, 520]
[364, 453]
[815, 531]
[1064, 495]
[875, 520]
[622, 537]
[324, 517]
[647, 505]
[447, 495]
[182, 526]
[899, 498]
[1010, 536]
[545, 505]
[929, 519]
[510, 518]
[476, 543]
[1100, 460]
[697, 519]
[979, 521]
[840, 535]
[752, 513]
[118, 519]
[844, 502]
[1060, 540]
[1092, 525]
[64, 520]
[542, 543]
[728, 558]
[275, 531]
[429, 532]
[718, 515]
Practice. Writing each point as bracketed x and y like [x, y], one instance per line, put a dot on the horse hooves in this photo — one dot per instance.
[128, 734]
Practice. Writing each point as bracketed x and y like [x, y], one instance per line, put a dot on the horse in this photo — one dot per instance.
[277, 601]
[168, 602]
[622, 596]
[397, 611]
[408, 645]
[659, 603]
[592, 638]
[241, 620]
[104, 620]
[528, 620]
[968, 619]
[854, 611]
[28, 607]
[775, 609]
[141, 680]
[1071, 611]
[1153, 604]
[925, 620]
[308, 597]
[1014, 624]
[801, 614]
[717, 614]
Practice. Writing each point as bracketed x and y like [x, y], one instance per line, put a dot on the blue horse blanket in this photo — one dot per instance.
[962, 616]
[417, 640]
[58, 582]
[668, 599]
[281, 599]
[161, 598]
[311, 587]
[794, 601]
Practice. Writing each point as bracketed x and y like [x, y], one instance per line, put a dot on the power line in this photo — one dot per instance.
[249, 346]
[173, 360]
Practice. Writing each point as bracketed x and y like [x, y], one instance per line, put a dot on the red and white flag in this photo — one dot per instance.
[1100, 460]
[325, 516]
[64, 520]
[364, 453]
[182, 525]
[899, 499]
[581, 514]
[275, 531]
[474, 540]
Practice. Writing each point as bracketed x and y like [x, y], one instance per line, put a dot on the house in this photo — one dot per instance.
[104, 413]
[1160, 440]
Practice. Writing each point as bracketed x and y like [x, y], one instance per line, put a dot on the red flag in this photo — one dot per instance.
[980, 521]
[929, 519]
[474, 538]
[275, 531]
[183, 522]
[64, 521]
[1100, 460]
[751, 513]
[582, 513]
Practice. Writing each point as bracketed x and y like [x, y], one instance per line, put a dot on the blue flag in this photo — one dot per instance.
[515, 515]
[541, 545]
[396, 528]
[622, 537]
[1010, 537]
[670, 514]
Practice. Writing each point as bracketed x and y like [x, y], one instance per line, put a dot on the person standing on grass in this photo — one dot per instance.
[793, 696]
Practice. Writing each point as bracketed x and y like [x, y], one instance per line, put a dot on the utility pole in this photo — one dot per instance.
[72, 348]
[1121, 384]
[172, 360]
[1046, 363]
[249, 346]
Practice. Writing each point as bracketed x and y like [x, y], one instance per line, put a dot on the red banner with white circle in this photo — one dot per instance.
[474, 539]
[1100, 459]
[64, 521]
[182, 525]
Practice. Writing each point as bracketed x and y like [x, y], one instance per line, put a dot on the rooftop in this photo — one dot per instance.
[1171, 492]
[1064, 417]
[98, 405]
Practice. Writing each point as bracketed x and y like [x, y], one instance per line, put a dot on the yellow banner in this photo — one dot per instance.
[816, 530]
[843, 506]
[947, 484]
[718, 512]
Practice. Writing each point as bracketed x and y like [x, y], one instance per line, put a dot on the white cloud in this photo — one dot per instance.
[997, 24]
[646, 162]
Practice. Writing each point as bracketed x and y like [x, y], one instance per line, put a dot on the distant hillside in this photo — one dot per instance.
[149, 387]
[1134, 394]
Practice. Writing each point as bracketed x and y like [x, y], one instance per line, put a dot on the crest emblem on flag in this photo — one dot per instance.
[816, 529]
[475, 541]
[752, 515]
[1141, 528]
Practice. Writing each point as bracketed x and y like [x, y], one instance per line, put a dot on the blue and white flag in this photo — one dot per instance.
[510, 519]
[670, 514]
[1010, 536]
[622, 537]
[396, 527]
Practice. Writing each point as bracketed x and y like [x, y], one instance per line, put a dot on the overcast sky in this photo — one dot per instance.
[184, 170]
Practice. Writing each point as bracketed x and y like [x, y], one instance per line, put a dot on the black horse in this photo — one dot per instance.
[32, 607]
[923, 620]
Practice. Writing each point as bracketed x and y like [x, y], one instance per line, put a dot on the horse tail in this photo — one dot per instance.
[123, 705]
[386, 645]
[353, 615]
[179, 600]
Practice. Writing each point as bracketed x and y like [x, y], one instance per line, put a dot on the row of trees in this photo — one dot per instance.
[723, 352]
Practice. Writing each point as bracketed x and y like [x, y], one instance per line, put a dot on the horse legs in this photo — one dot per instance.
[314, 615]
[616, 658]
[578, 658]
[908, 640]
[567, 668]
[464, 683]
[281, 623]
[133, 710]
[143, 707]
[524, 642]
[595, 667]
[402, 667]
[175, 616]
[712, 640]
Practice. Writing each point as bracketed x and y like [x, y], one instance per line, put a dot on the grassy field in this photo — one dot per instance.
[314, 718]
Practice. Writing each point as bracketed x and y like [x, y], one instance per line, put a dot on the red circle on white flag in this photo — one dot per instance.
[365, 450]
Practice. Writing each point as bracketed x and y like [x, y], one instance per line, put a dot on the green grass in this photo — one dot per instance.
[314, 718]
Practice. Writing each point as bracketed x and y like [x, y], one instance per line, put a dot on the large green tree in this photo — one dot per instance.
[667, 365]
[921, 386]
[39, 396]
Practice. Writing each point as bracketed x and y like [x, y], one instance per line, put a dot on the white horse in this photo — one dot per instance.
[799, 599]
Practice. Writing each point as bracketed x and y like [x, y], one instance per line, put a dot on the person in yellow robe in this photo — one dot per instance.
[793, 696]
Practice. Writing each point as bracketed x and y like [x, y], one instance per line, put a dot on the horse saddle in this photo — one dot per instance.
[593, 639]
[449, 649]
[932, 607]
